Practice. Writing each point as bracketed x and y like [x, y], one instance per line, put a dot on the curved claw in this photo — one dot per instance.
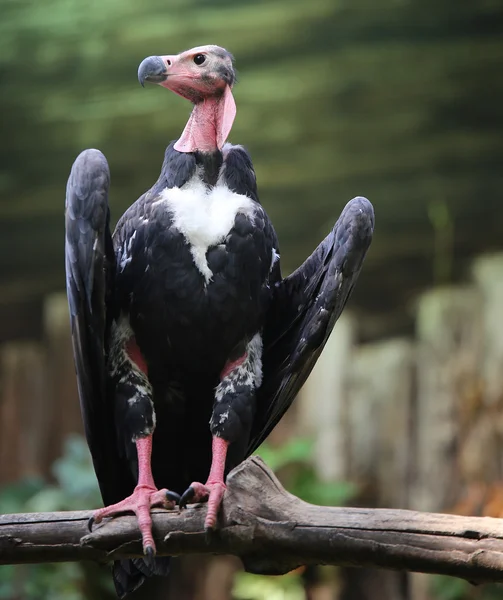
[173, 497]
[90, 524]
[187, 496]
[208, 533]
[149, 553]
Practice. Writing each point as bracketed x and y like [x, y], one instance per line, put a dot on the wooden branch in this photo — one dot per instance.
[273, 532]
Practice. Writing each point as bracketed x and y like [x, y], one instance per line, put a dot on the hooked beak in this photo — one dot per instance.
[153, 69]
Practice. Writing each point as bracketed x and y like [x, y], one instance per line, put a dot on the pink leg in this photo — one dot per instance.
[143, 498]
[213, 490]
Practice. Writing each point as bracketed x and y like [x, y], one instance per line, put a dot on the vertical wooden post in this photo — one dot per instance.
[322, 406]
[61, 381]
[482, 450]
[24, 426]
[488, 274]
[379, 406]
[449, 338]
[449, 345]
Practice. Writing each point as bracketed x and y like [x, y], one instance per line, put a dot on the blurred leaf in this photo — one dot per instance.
[304, 483]
[6, 581]
[77, 489]
[13, 497]
[295, 450]
[449, 588]
[257, 587]
[49, 499]
[74, 470]
[336, 493]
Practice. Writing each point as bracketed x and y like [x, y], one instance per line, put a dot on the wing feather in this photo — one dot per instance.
[305, 308]
[90, 265]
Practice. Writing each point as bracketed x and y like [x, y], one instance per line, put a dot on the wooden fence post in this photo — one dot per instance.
[24, 425]
[449, 343]
[61, 380]
[323, 402]
[379, 406]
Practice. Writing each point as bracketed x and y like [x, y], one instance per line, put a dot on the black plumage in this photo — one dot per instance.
[183, 328]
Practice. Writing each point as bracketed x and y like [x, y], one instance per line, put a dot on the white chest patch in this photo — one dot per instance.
[205, 216]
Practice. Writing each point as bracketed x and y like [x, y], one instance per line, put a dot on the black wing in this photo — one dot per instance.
[90, 265]
[305, 307]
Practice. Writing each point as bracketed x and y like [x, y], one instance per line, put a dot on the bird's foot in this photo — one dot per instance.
[213, 491]
[140, 502]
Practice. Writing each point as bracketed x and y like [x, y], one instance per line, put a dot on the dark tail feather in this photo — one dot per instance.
[130, 574]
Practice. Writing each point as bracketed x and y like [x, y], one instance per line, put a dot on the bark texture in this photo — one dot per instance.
[272, 532]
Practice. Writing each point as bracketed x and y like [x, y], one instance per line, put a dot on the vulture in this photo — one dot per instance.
[189, 345]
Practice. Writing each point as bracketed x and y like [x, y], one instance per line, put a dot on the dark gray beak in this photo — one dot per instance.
[152, 69]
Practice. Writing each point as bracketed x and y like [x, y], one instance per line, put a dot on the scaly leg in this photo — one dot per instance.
[214, 488]
[144, 497]
[135, 410]
[231, 421]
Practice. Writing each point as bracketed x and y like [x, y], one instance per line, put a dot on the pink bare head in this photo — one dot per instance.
[195, 74]
[205, 76]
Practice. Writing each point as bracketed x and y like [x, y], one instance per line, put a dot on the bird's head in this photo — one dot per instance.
[205, 76]
[195, 74]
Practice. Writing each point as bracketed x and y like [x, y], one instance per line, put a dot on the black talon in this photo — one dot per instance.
[149, 555]
[208, 533]
[187, 496]
[90, 524]
[173, 497]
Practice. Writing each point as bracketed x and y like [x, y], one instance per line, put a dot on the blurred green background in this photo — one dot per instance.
[393, 99]
[397, 100]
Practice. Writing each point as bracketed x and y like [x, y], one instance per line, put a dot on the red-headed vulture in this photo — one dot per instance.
[189, 344]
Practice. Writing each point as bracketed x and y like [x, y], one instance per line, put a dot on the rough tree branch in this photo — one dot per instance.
[273, 532]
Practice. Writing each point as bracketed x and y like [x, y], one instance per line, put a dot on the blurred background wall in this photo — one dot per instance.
[397, 100]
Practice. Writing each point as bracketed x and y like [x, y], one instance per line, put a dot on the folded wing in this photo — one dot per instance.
[90, 265]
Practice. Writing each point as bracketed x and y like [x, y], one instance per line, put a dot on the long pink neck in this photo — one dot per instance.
[200, 133]
[209, 124]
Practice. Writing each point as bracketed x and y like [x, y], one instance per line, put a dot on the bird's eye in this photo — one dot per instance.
[199, 59]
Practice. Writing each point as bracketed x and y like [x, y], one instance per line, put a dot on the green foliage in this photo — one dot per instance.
[296, 450]
[302, 480]
[59, 581]
[449, 588]
[75, 488]
[15, 496]
[257, 587]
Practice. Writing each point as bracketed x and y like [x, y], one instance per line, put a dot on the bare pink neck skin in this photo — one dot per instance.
[209, 124]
